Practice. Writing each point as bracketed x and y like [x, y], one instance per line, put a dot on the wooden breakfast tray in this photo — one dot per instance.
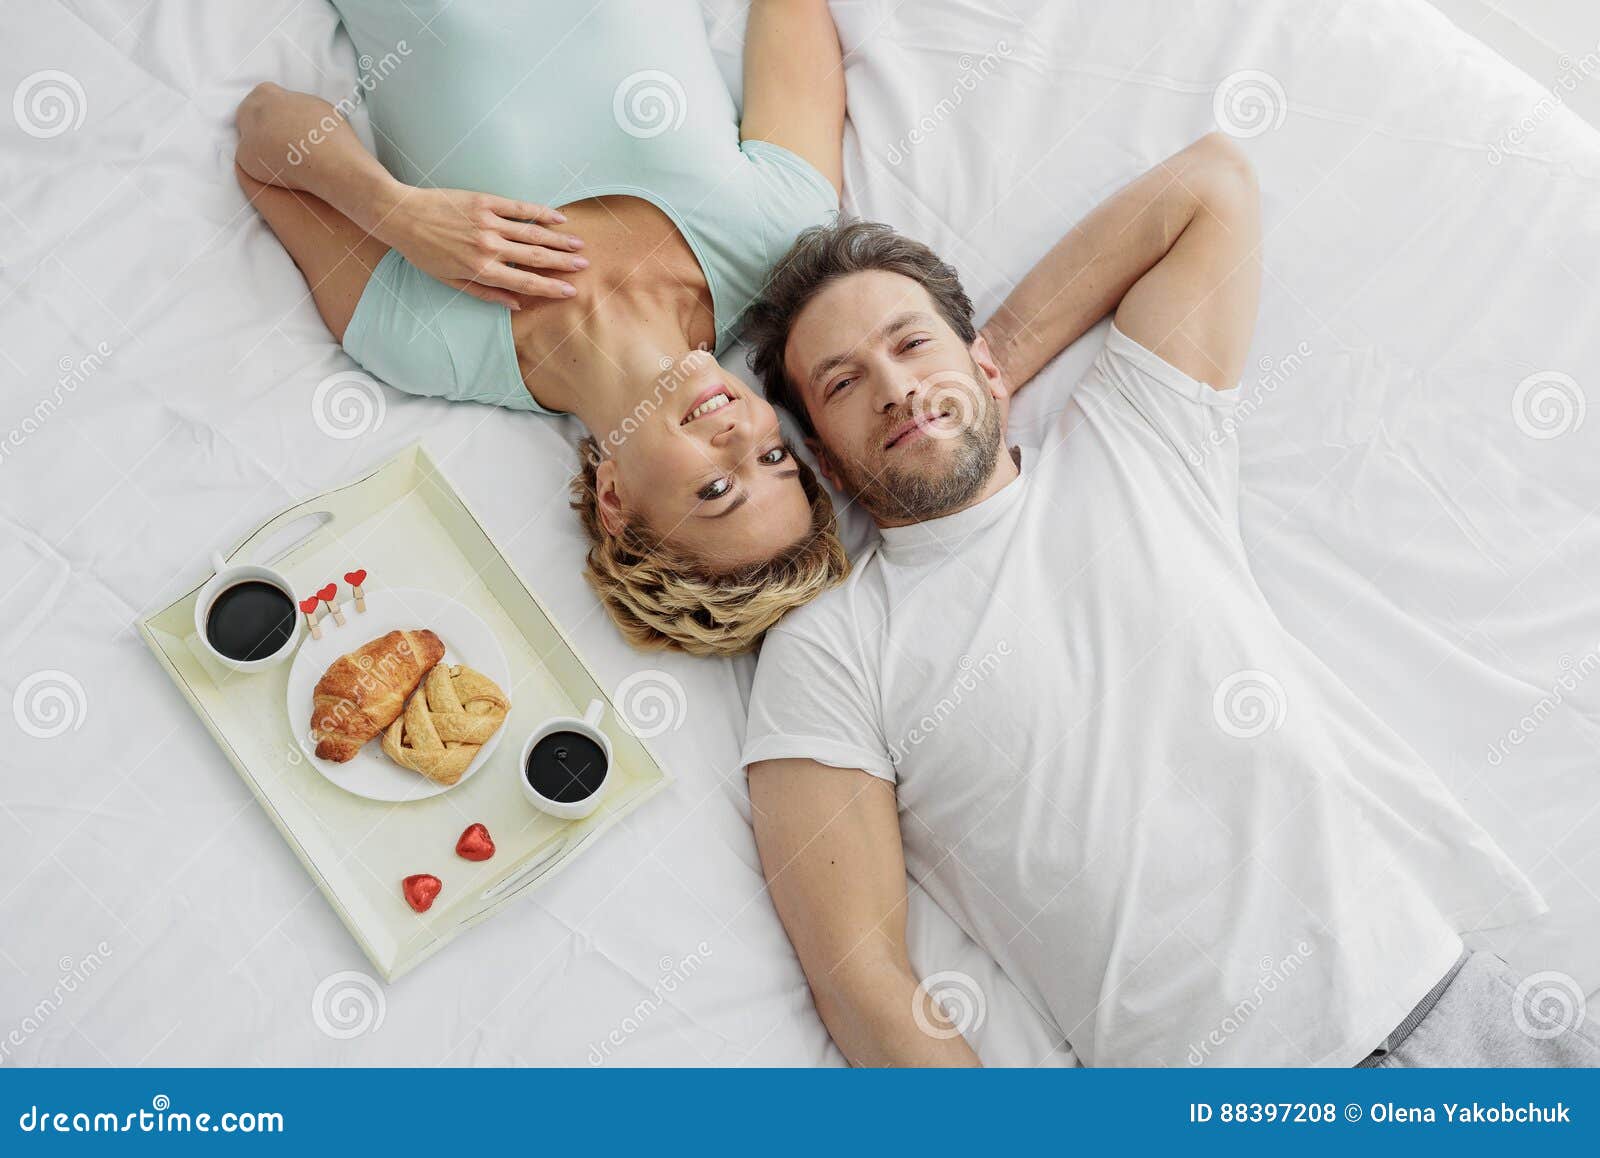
[408, 527]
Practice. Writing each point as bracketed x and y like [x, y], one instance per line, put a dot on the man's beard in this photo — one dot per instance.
[895, 493]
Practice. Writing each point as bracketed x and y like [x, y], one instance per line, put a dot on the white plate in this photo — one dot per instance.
[466, 638]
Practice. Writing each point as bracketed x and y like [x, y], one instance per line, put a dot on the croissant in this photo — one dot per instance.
[365, 690]
[450, 717]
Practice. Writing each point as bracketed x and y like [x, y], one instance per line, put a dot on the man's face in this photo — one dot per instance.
[908, 417]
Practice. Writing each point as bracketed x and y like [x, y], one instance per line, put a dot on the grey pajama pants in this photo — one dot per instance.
[1482, 1013]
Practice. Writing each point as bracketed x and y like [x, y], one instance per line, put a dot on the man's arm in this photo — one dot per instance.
[1178, 248]
[830, 847]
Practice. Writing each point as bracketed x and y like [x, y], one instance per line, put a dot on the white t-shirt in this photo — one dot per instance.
[1171, 824]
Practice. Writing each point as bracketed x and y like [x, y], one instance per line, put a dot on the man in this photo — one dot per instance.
[1054, 692]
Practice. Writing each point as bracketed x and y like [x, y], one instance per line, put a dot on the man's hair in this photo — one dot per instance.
[821, 255]
[662, 600]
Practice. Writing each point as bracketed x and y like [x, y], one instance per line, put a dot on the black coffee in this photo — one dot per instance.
[250, 620]
[566, 767]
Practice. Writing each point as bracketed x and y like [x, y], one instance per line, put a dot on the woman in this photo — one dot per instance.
[704, 526]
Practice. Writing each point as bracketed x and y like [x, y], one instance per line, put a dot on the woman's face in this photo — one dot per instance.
[705, 469]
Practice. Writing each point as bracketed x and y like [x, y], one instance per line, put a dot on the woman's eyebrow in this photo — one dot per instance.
[793, 472]
[729, 509]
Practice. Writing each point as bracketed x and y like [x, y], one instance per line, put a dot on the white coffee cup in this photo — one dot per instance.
[588, 726]
[231, 576]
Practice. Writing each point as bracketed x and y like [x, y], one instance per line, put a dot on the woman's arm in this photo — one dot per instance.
[475, 242]
[794, 83]
[335, 255]
[1174, 253]
[276, 128]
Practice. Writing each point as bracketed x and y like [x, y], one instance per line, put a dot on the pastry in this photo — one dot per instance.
[450, 717]
[365, 690]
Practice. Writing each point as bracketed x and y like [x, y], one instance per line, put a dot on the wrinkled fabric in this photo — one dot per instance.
[1399, 518]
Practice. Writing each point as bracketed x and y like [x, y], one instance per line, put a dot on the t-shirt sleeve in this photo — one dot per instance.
[1195, 421]
[809, 703]
[791, 193]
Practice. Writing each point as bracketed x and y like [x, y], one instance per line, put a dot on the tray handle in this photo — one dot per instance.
[283, 533]
[528, 873]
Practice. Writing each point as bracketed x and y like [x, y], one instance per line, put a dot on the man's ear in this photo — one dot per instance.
[608, 500]
[824, 461]
[994, 378]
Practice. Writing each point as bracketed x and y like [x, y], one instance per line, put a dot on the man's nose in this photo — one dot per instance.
[896, 388]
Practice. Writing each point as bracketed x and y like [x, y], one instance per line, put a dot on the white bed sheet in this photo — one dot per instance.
[1400, 518]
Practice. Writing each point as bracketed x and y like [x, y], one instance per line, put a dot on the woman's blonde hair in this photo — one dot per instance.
[662, 600]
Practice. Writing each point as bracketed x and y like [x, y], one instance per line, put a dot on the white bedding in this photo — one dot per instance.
[1426, 254]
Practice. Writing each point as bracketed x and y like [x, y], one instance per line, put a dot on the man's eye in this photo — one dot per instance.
[774, 456]
[915, 342]
[715, 489]
[840, 385]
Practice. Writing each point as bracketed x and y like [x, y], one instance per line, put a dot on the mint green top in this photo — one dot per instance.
[556, 102]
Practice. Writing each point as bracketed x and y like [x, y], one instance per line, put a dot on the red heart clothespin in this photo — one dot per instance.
[356, 579]
[309, 606]
[330, 596]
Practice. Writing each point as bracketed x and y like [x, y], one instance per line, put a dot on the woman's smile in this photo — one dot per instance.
[709, 401]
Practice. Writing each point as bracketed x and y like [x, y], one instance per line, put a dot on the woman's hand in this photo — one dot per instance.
[482, 244]
[471, 241]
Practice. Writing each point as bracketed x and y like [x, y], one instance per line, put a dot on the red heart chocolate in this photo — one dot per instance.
[420, 890]
[355, 578]
[327, 593]
[309, 604]
[475, 843]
